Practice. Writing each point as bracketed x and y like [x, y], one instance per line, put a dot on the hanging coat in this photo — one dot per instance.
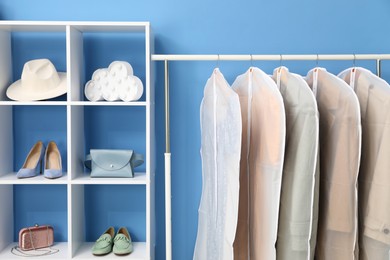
[374, 175]
[340, 144]
[220, 118]
[298, 216]
[263, 139]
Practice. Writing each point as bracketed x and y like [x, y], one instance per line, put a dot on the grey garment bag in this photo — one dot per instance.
[263, 142]
[340, 147]
[298, 216]
[374, 175]
[220, 119]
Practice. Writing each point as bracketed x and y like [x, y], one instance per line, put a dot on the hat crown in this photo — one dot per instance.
[39, 75]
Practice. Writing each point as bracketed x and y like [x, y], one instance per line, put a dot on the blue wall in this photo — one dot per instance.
[271, 27]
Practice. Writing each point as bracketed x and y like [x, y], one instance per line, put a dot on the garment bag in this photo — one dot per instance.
[374, 175]
[220, 119]
[263, 140]
[298, 214]
[340, 143]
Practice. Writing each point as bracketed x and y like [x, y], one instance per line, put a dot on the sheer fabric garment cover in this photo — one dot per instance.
[263, 140]
[340, 144]
[374, 176]
[298, 216]
[220, 118]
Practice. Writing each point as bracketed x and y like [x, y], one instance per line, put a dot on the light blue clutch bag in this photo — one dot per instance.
[113, 163]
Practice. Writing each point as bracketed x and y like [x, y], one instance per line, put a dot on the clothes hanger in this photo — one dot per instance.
[217, 65]
[353, 73]
[251, 68]
[315, 77]
[279, 73]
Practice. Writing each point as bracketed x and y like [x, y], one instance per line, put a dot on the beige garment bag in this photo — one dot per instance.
[263, 140]
[298, 216]
[374, 175]
[340, 144]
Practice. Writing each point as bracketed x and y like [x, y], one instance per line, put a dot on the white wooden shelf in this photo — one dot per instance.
[10, 178]
[80, 133]
[62, 253]
[139, 178]
[139, 252]
[58, 26]
[33, 103]
[106, 103]
[72, 103]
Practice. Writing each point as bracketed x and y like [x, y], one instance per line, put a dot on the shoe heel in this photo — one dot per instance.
[32, 164]
[52, 162]
[41, 167]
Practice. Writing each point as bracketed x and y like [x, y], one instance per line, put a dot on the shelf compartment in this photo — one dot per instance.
[34, 123]
[139, 252]
[97, 207]
[41, 204]
[22, 127]
[19, 44]
[105, 127]
[123, 43]
[49, 208]
[61, 246]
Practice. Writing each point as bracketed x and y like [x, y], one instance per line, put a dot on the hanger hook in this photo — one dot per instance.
[318, 57]
[251, 60]
[218, 61]
[354, 59]
[281, 59]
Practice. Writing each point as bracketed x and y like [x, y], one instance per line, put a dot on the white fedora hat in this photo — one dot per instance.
[40, 80]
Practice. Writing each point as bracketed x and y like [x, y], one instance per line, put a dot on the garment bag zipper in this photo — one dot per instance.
[249, 124]
[215, 148]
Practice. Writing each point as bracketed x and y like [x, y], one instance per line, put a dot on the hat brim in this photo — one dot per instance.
[16, 92]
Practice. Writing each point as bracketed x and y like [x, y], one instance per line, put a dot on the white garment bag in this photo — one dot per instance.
[374, 174]
[340, 147]
[263, 140]
[298, 217]
[221, 127]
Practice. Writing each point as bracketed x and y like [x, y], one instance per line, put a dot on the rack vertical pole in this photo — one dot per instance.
[168, 206]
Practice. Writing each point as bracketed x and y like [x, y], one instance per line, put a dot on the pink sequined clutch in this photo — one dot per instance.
[36, 237]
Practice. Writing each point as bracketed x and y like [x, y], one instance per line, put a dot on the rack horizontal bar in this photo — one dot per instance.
[270, 57]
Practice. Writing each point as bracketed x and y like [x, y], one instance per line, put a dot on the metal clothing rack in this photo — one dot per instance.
[231, 57]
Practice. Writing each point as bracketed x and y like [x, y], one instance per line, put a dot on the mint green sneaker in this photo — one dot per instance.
[122, 242]
[103, 245]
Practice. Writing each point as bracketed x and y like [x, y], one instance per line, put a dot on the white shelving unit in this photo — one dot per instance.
[76, 177]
